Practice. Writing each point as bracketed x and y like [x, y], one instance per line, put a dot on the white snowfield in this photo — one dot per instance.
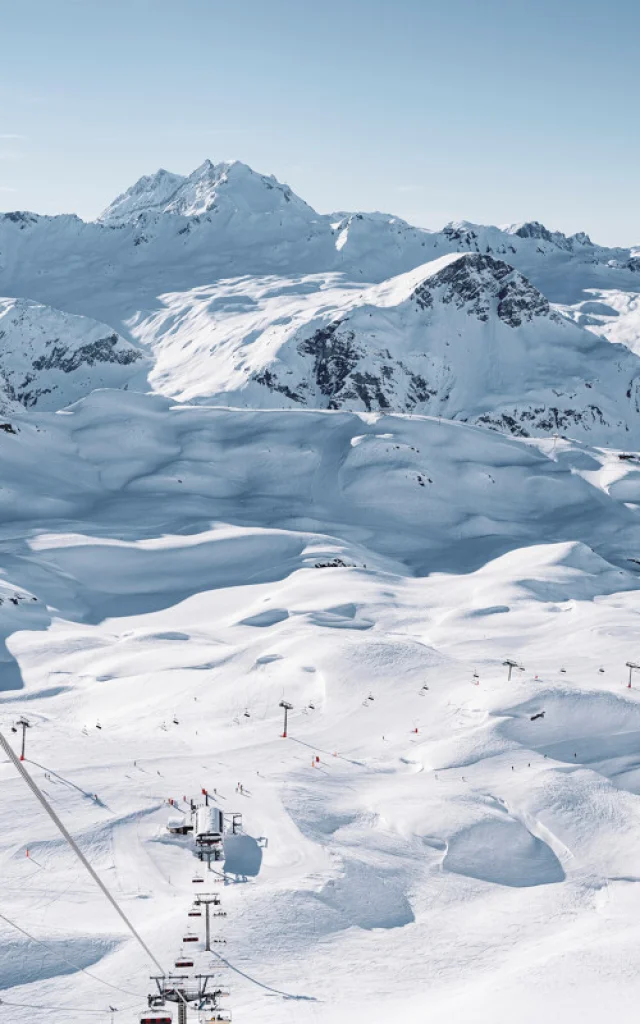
[432, 842]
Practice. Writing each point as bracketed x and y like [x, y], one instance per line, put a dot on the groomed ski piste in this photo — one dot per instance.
[432, 841]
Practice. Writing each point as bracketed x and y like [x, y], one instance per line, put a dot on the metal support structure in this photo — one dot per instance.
[24, 724]
[287, 708]
[180, 989]
[511, 665]
[631, 665]
[207, 900]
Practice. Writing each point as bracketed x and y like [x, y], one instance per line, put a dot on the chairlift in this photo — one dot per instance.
[246, 713]
[175, 721]
[197, 879]
[149, 1017]
[184, 961]
[311, 707]
[370, 697]
[98, 726]
[190, 938]
[563, 670]
[194, 913]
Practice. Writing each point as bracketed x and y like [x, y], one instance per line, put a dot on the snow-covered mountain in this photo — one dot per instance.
[232, 191]
[433, 839]
[169, 232]
[50, 358]
[465, 337]
[241, 293]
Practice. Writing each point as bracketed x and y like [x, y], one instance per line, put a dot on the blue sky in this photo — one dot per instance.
[489, 110]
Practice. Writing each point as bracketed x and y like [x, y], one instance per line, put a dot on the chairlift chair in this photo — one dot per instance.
[197, 879]
[189, 937]
[156, 1017]
[184, 961]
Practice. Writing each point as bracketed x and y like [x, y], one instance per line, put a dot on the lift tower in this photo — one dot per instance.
[287, 708]
[511, 664]
[23, 724]
[183, 990]
[631, 665]
[208, 900]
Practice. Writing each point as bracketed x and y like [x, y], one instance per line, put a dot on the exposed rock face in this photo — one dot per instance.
[335, 357]
[49, 358]
[478, 283]
[472, 339]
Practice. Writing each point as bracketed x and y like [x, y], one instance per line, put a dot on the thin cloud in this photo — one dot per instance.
[11, 135]
[7, 188]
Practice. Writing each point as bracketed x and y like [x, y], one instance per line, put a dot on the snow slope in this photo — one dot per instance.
[465, 337]
[50, 358]
[480, 867]
[432, 841]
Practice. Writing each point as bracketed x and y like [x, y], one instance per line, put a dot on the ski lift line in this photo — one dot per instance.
[64, 1009]
[261, 984]
[74, 846]
[61, 956]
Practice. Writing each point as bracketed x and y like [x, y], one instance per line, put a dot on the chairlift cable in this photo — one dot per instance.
[75, 1009]
[76, 849]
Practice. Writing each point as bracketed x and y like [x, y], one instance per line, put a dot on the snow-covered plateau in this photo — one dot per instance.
[251, 453]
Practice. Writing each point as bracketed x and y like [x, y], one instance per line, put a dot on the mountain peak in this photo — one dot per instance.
[230, 187]
[534, 229]
[150, 192]
[479, 282]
